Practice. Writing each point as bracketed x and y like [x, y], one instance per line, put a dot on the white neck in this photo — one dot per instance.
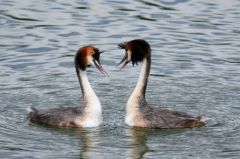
[140, 88]
[87, 90]
[92, 105]
[138, 94]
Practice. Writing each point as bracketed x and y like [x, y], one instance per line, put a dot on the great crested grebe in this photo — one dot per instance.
[87, 115]
[138, 112]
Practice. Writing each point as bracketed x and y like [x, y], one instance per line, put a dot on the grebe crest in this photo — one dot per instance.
[136, 51]
[88, 55]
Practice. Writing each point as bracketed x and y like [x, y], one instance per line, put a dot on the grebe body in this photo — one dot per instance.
[89, 114]
[138, 111]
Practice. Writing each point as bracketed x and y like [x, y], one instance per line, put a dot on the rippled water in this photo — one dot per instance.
[195, 68]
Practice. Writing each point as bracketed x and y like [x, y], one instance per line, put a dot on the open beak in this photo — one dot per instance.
[124, 60]
[100, 68]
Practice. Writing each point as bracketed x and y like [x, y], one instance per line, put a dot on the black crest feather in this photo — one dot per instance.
[140, 49]
[79, 62]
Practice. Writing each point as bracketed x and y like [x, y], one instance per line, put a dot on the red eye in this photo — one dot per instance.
[96, 56]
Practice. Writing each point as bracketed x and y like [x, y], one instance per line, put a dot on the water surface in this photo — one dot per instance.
[195, 69]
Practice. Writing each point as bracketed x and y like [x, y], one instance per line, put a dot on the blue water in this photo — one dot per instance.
[195, 69]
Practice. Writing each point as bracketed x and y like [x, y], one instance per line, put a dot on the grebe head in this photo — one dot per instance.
[88, 55]
[136, 51]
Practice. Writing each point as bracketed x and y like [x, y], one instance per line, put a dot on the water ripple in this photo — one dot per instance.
[20, 18]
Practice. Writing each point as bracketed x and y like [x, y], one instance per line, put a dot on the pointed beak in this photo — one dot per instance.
[124, 60]
[100, 68]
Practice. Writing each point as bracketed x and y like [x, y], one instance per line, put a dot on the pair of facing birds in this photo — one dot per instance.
[138, 111]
